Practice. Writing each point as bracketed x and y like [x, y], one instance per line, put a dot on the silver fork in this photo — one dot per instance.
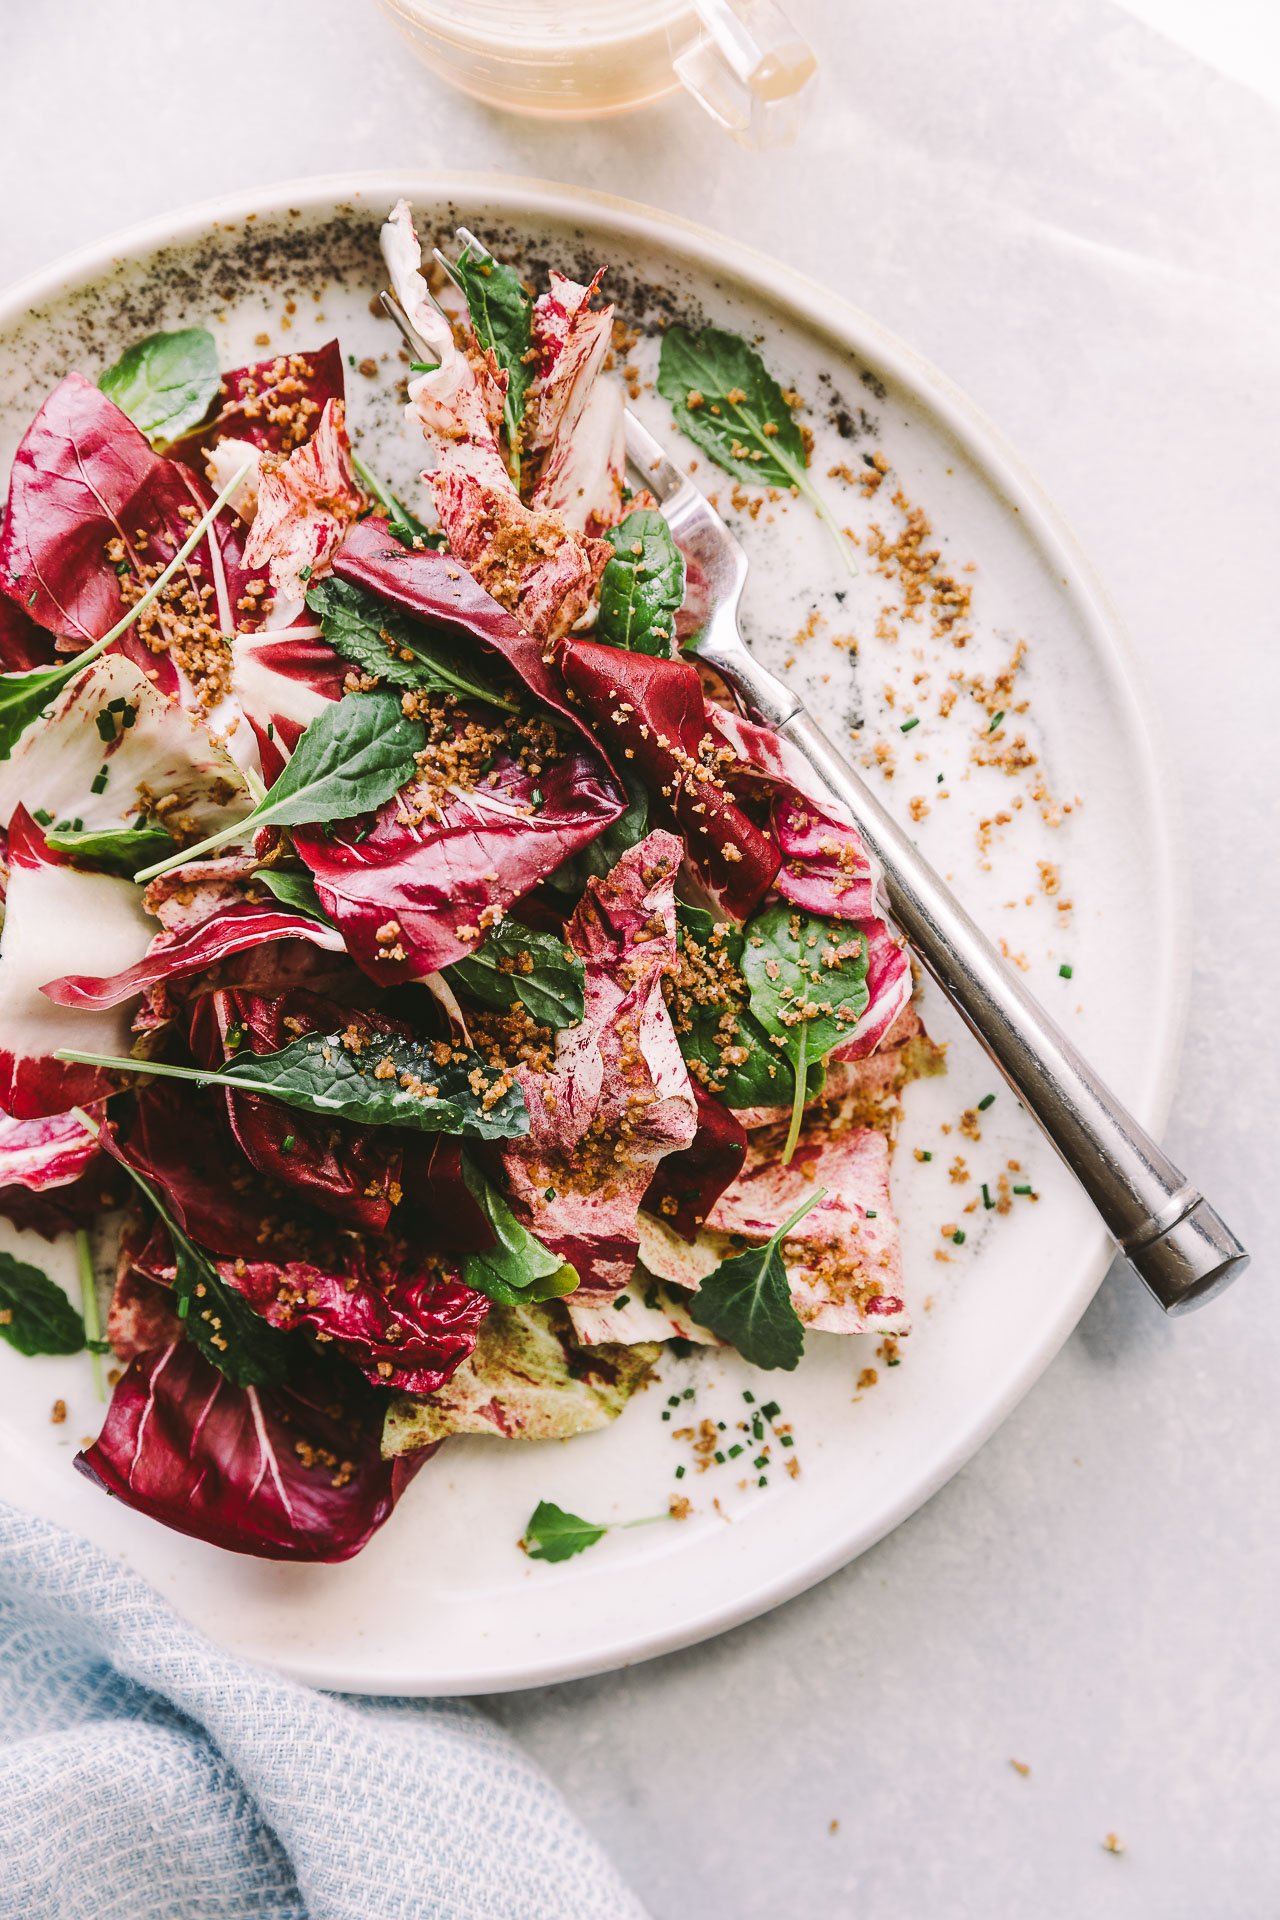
[1181, 1250]
[1175, 1242]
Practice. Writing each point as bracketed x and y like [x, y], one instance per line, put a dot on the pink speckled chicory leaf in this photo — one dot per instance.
[618, 1098]
[305, 504]
[274, 404]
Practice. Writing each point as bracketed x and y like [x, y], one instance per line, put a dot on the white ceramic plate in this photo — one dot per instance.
[443, 1601]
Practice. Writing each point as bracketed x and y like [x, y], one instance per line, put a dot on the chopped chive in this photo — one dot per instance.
[289, 1142]
[761, 1460]
[926, 1155]
[1066, 970]
[996, 718]
[679, 1473]
[687, 1394]
[271, 729]
[1022, 1189]
[234, 1036]
[958, 1236]
[786, 1440]
[719, 1458]
[674, 1400]
[351, 359]
[771, 1410]
[106, 727]
[623, 1300]
[871, 1214]
[128, 716]
[762, 1481]
[99, 782]
[748, 1396]
[117, 705]
[42, 817]
[666, 1413]
[424, 366]
[549, 1193]
[304, 573]
[987, 1201]
[720, 1427]
[987, 1100]
[77, 825]
[907, 725]
[941, 778]
[736, 1449]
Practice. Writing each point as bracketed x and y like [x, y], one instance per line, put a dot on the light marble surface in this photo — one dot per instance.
[1076, 222]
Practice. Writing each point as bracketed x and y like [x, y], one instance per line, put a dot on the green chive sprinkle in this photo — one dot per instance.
[871, 1214]
[771, 1410]
[748, 1396]
[43, 817]
[762, 1481]
[679, 1473]
[958, 1236]
[289, 1142]
[106, 727]
[926, 1155]
[623, 1300]
[987, 1201]
[996, 718]
[1066, 970]
[907, 725]
[719, 1458]
[99, 782]
[761, 1460]
[786, 1440]
[665, 1414]
[736, 1449]
[1022, 1189]
[987, 1100]
[549, 1194]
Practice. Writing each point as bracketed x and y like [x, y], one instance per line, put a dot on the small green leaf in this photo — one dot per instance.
[726, 400]
[747, 1301]
[553, 1534]
[114, 850]
[602, 854]
[517, 963]
[382, 641]
[352, 758]
[166, 383]
[642, 586]
[517, 1269]
[296, 890]
[501, 318]
[35, 1314]
[802, 969]
[714, 1022]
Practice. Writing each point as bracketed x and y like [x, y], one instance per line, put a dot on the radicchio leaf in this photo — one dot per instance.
[287, 1473]
[687, 1184]
[305, 504]
[53, 1175]
[619, 1097]
[654, 710]
[411, 895]
[274, 404]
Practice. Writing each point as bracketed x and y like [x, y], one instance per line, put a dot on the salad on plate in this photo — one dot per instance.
[435, 991]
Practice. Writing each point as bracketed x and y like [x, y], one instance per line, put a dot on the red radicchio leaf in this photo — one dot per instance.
[236, 926]
[654, 709]
[287, 1473]
[348, 1172]
[687, 1184]
[23, 644]
[274, 404]
[47, 897]
[82, 476]
[487, 525]
[53, 1174]
[412, 896]
[619, 1096]
[305, 504]
[436, 589]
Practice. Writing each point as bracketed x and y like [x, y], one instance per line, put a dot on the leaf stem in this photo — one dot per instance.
[203, 1076]
[89, 1305]
[649, 1520]
[820, 505]
[380, 491]
[185, 855]
[797, 1104]
[806, 1206]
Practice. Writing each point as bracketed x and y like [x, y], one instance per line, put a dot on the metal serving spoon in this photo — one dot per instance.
[1181, 1250]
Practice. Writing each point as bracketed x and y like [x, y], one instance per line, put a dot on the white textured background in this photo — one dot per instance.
[1078, 222]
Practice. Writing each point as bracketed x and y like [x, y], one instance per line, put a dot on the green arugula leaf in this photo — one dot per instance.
[501, 318]
[114, 850]
[166, 383]
[390, 1082]
[24, 697]
[381, 640]
[296, 890]
[352, 757]
[35, 1314]
[726, 400]
[747, 1301]
[732, 1054]
[518, 963]
[230, 1335]
[642, 586]
[808, 984]
[553, 1534]
[518, 1269]
[602, 854]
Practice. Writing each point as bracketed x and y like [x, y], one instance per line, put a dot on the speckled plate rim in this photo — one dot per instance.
[1045, 527]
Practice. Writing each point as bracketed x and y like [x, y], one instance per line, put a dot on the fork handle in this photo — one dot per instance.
[1171, 1236]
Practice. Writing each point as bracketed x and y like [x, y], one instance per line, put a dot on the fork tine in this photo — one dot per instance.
[650, 458]
[394, 311]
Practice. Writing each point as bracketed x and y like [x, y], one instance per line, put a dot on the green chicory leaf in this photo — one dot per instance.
[731, 1053]
[517, 1269]
[296, 890]
[390, 1082]
[502, 319]
[642, 586]
[808, 984]
[726, 400]
[114, 850]
[747, 1301]
[166, 383]
[401, 651]
[352, 758]
[516, 962]
[553, 1534]
[35, 1314]
[602, 854]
